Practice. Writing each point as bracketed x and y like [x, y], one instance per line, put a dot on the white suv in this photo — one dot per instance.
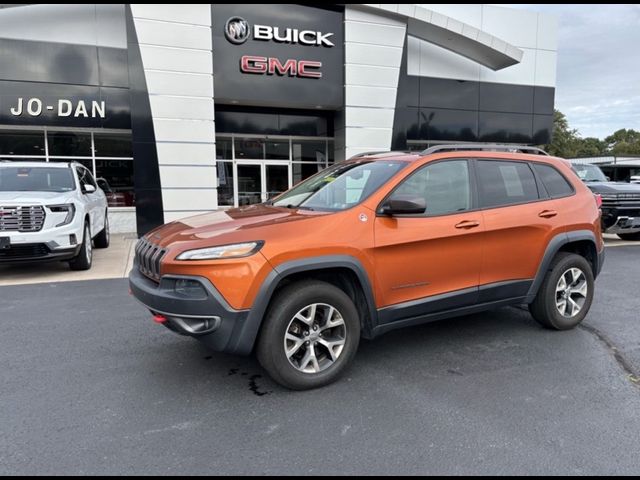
[51, 211]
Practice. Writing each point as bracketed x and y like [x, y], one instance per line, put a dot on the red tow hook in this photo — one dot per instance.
[159, 319]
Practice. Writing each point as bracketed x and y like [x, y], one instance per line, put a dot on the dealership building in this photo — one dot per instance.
[181, 109]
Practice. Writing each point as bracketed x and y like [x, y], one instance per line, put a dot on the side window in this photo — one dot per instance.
[505, 183]
[445, 187]
[81, 180]
[90, 179]
[85, 177]
[553, 181]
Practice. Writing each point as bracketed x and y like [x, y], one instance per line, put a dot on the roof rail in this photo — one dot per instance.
[377, 152]
[485, 147]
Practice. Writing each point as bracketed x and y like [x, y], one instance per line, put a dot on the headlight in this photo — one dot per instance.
[70, 210]
[236, 250]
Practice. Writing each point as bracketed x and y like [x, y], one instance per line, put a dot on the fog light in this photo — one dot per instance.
[190, 288]
[72, 239]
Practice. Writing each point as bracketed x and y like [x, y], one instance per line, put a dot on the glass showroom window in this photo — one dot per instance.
[107, 155]
[224, 163]
[254, 168]
[20, 143]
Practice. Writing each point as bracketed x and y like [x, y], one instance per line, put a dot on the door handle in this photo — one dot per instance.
[547, 213]
[468, 224]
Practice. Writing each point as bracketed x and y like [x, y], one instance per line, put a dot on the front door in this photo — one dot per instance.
[259, 181]
[430, 262]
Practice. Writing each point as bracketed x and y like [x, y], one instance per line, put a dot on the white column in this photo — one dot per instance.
[176, 49]
[373, 53]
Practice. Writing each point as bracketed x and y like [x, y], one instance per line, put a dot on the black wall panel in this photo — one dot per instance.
[500, 97]
[149, 206]
[266, 121]
[445, 93]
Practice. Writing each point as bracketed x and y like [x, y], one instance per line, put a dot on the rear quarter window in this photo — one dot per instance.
[554, 182]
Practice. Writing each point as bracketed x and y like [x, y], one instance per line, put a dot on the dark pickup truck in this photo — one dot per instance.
[620, 202]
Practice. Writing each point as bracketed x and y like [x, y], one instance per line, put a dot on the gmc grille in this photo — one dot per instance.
[622, 200]
[22, 219]
[148, 257]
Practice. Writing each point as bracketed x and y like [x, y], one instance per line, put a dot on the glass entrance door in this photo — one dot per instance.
[277, 179]
[255, 168]
[250, 183]
[259, 181]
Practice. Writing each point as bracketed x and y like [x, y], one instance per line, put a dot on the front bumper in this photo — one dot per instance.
[36, 252]
[624, 224]
[205, 316]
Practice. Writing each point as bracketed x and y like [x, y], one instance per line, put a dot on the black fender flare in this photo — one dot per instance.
[553, 247]
[246, 332]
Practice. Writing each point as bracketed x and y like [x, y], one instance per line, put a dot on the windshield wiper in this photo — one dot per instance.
[298, 207]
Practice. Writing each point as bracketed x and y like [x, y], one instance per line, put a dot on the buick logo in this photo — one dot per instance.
[237, 30]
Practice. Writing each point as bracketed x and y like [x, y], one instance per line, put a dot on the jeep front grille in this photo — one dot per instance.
[148, 257]
[22, 219]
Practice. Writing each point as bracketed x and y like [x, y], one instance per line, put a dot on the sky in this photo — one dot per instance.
[598, 76]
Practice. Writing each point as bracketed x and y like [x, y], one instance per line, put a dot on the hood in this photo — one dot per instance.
[613, 187]
[35, 198]
[243, 224]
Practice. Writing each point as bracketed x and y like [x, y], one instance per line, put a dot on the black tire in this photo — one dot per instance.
[630, 236]
[279, 319]
[84, 259]
[544, 308]
[103, 239]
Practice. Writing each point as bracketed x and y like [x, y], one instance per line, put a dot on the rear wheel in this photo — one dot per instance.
[629, 236]
[566, 293]
[84, 259]
[104, 237]
[310, 335]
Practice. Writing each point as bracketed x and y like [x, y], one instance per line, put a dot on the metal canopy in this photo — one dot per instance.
[455, 36]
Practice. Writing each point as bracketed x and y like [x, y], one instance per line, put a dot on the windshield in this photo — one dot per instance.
[589, 173]
[339, 187]
[35, 179]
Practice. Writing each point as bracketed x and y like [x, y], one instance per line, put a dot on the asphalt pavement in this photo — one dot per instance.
[90, 385]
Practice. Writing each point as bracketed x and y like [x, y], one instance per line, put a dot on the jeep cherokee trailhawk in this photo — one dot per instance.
[372, 244]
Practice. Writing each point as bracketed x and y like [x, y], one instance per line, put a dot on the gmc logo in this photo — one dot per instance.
[273, 66]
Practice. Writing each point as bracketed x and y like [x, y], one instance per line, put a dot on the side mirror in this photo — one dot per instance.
[608, 178]
[404, 205]
[88, 188]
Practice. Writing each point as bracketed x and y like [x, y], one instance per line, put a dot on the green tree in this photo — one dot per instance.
[591, 147]
[565, 140]
[624, 142]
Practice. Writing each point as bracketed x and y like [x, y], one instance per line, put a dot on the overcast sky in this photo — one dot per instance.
[598, 82]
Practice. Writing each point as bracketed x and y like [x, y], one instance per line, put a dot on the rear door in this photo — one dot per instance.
[519, 221]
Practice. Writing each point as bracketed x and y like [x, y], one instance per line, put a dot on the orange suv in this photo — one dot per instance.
[375, 243]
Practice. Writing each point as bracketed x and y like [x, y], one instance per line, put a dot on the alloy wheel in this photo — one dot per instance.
[315, 338]
[571, 292]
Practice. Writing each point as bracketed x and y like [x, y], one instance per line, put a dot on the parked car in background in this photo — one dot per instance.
[620, 201]
[114, 198]
[373, 244]
[51, 212]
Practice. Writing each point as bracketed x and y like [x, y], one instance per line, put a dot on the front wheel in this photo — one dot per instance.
[310, 335]
[84, 259]
[630, 236]
[566, 293]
